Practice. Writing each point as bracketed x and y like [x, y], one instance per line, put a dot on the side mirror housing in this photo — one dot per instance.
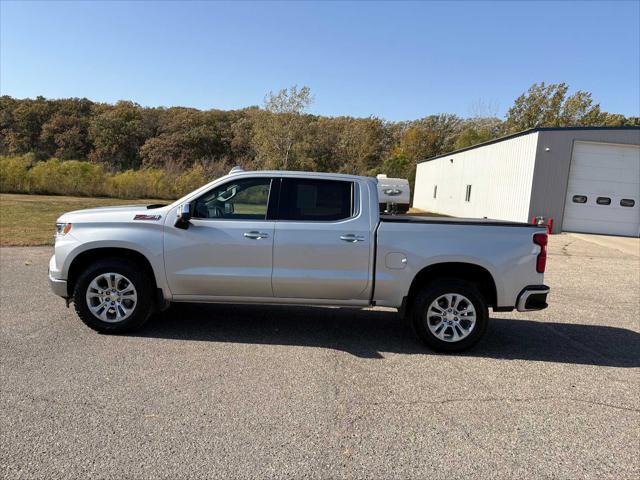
[183, 215]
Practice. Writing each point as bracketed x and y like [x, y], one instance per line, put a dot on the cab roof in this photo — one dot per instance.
[293, 173]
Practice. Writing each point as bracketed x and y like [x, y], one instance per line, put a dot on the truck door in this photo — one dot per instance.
[323, 241]
[227, 249]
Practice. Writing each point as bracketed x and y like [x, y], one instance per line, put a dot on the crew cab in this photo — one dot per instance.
[276, 237]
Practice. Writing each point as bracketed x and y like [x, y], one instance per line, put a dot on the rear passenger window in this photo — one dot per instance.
[579, 199]
[320, 200]
[627, 202]
[603, 201]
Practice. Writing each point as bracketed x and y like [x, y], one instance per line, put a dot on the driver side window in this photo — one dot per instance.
[243, 199]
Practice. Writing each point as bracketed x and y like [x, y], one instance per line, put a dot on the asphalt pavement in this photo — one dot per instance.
[228, 391]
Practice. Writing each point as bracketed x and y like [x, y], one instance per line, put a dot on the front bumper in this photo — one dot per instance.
[533, 297]
[57, 285]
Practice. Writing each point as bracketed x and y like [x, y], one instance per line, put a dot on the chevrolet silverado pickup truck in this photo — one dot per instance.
[275, 237]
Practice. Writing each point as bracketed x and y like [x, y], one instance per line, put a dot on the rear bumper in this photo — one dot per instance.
[533, 297]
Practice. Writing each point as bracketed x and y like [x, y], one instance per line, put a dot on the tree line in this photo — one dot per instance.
[280, 134]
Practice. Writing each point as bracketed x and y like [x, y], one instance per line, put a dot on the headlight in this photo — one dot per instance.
[62, 229]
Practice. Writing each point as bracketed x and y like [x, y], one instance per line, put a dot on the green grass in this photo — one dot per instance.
[249, 209]
[28, 220]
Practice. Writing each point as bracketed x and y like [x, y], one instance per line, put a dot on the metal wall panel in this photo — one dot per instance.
[500, 175]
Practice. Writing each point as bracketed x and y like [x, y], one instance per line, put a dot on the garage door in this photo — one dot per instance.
[604, 190]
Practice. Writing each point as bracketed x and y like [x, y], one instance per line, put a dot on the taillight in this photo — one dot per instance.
[541, 262]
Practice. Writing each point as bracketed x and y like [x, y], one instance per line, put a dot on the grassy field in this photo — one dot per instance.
[27, 220]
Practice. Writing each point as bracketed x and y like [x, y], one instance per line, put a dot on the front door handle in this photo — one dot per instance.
[351, 238]
[256, 235]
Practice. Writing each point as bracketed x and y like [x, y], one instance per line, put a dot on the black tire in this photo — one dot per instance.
[433, 291]
[137, 276]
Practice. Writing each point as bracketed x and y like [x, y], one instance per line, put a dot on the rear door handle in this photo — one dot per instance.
[256, 235]
[351, 238]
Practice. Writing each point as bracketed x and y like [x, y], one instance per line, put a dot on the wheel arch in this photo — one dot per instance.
[470, 272]
[87, 257]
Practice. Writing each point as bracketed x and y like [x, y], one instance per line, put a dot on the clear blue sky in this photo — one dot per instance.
[398, 61]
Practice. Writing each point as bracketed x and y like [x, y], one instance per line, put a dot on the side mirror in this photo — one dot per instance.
[183, 216]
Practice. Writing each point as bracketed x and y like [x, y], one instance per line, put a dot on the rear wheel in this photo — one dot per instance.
[450, 315]
[113, 296]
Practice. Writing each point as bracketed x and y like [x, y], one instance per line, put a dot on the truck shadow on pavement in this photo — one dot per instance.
[369, 334]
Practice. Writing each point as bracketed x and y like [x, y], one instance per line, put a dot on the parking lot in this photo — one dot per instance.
[297, 392]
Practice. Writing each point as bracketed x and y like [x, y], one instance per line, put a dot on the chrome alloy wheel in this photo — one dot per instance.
[111, 297]
[451, 317]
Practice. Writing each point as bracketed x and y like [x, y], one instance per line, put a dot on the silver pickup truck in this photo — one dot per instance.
[296, 238]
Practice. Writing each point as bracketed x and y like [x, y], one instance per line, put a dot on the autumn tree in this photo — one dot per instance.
[118, 132]
[21, 124]
[477, 130]
[65, 134]
[360, 145]
[428, 137]
[186, 136]
[281, 125]
[550, 106]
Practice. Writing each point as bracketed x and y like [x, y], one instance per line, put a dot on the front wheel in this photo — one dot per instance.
[113, 296]
[450, 315]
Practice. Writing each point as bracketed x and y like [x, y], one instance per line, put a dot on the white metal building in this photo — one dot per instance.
[585, 179]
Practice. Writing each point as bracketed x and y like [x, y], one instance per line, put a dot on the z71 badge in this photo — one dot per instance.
[147, 217]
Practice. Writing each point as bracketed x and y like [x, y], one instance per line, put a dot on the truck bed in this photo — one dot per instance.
[453, 221]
